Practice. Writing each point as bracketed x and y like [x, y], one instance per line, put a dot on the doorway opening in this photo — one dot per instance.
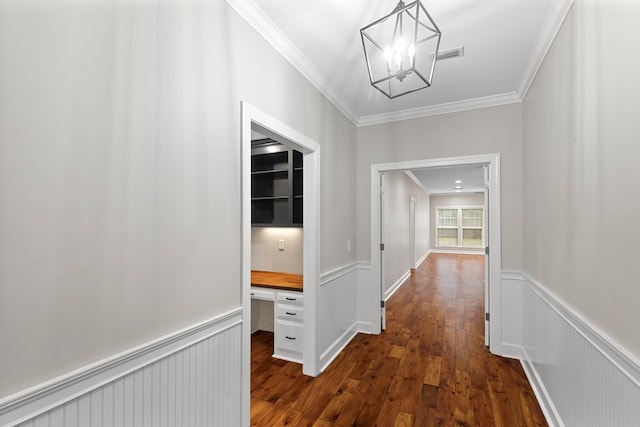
[491, 166]
[252, 119]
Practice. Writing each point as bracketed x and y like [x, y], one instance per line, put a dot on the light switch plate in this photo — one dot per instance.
[281, 244]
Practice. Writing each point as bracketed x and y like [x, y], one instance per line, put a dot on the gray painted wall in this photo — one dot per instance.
[265, 252]
[398, 256]
[483, 131]
[120, 173]
[581, 169]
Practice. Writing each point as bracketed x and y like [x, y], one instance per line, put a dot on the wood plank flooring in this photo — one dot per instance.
[429, 368]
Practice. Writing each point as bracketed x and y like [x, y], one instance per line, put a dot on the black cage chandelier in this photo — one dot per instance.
[401, 49]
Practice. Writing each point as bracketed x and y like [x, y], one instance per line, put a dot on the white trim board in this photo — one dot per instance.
[417, 181]
[332, 275]
[542, 395]
[336, 348]
[422, 258]
[480, 251]
[51, 396]
[401, 281]
[552, 24]
[436, 110]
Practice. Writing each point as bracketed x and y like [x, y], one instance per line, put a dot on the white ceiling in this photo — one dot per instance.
[504, 43]
[443, 180]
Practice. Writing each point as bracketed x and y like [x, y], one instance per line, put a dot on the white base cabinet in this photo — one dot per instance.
[289, 320]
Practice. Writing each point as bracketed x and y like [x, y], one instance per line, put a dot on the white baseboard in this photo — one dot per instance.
[118, 390]
[365, 327]
[397, 285]
[458, 251]
[327, 357]
[422, 258]
[265, 325]
[512, 351]
[544, 399]
[581, 376]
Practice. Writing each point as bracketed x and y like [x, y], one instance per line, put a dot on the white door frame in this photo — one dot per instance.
[494, 237]
[271, 127]
[412, 231]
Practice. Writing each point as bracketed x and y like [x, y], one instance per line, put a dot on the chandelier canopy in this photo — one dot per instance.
[401, 49]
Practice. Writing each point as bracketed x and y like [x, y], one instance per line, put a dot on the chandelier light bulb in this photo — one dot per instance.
[411, 51]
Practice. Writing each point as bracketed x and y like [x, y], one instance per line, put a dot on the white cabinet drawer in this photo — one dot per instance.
[290, 314]
[288, 340]
[290, 298]
[263, 294]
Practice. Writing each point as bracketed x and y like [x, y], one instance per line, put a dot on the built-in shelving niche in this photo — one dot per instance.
[276, 185]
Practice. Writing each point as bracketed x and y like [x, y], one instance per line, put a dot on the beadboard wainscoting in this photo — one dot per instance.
[581, 376]
[338, 311]
[188, 378]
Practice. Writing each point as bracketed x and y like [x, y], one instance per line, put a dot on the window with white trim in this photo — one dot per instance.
[459, 227]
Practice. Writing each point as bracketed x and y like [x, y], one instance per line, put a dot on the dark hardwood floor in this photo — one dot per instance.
[429, 368]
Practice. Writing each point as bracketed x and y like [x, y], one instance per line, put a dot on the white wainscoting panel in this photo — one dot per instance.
[191, 378]
[337, 311]
[581, 376]
[511, 300]
[367, 317]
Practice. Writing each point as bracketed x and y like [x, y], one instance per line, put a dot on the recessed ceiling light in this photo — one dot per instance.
[458, 187]
[458, 181]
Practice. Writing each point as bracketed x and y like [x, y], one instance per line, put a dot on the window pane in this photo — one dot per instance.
[447, 217]
[471, 237]
[447, 237]
[472, 217]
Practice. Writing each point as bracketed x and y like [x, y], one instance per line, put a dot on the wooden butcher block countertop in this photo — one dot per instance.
[275, 280]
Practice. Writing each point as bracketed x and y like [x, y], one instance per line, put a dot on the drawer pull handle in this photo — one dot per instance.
[290, 299]
[290, 313]
[252, 294]
[290, 338]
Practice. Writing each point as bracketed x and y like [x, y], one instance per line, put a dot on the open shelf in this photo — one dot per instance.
[276, 185]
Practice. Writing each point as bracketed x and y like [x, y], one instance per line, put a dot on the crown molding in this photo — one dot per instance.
[434, 110]
[550, 28]
[259, 20]
[417, 181]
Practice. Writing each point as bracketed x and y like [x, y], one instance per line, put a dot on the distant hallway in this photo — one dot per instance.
[429, 368]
